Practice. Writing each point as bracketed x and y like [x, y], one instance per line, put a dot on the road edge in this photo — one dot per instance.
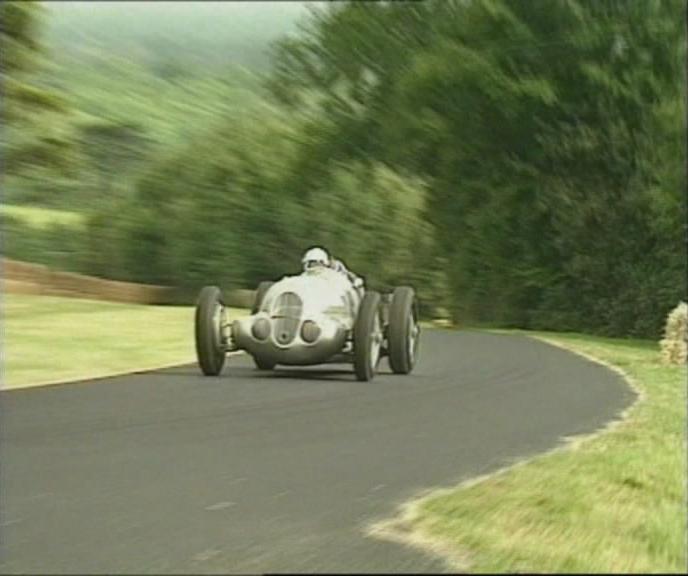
[106, 376]
[401, 527]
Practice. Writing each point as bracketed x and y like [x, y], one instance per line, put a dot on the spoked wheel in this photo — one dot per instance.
[211, 323]
[404, 331]
[367, 337]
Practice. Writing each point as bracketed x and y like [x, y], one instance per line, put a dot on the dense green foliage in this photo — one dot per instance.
[519, 163]
[227, 209]
[550, 134]
[33, 136]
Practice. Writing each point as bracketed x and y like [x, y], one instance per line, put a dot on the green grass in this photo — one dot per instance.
[49, 339]
[614, 502]
[55, 238]
[169, 111]
[42, 218]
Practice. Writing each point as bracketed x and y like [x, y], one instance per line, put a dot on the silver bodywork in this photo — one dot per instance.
[322, 296]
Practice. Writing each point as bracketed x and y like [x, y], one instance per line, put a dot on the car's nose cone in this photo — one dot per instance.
[284, 337]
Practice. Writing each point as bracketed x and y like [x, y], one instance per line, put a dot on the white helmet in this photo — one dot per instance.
[315, 257]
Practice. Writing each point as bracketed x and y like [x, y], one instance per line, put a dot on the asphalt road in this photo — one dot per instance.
[253, 472]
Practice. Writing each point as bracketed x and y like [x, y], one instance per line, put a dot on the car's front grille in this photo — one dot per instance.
[286, 314]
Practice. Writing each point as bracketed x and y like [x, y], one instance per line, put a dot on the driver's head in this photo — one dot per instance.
[315, 257]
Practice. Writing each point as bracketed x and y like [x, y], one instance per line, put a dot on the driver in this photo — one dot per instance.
[317, 256]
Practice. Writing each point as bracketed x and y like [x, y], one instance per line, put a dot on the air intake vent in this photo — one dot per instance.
[286, 312]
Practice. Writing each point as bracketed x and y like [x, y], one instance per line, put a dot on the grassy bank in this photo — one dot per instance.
[48, 339]
[55, 238]
[614, 502]
[42, 218]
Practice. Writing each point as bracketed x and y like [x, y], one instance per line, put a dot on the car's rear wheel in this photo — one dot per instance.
[209, 327]
[262, 289]
[403, 334]
[367, 337]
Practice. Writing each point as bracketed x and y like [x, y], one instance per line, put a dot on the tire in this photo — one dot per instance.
[262, 289]
[209, 347]
[367, 336]
[403, 334]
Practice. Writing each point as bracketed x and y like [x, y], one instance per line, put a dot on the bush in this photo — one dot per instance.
[232, 208]
[57, 246]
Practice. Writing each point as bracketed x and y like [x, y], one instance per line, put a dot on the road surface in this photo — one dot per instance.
[255, 472]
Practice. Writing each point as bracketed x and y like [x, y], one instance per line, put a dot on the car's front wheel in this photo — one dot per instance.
[209, 326]
[367, 337]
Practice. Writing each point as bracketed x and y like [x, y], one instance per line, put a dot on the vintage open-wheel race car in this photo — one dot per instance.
[316, 317]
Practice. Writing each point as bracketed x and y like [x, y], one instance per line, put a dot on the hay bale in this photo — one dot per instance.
[675, 341]
[24, 271]
[28, 278]
[8, 286]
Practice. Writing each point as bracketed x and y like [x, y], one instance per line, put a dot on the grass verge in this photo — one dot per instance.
[43, 218]
[50, 339]
[612, 502]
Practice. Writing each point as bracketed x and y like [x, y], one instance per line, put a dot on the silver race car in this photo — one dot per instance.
[316, 317]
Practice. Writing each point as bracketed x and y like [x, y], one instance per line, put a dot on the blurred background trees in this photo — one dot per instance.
[34, 136]
[520, 163]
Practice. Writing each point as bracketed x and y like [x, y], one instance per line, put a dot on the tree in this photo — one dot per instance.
[114, 148]
[33, 116]
[536, 128]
